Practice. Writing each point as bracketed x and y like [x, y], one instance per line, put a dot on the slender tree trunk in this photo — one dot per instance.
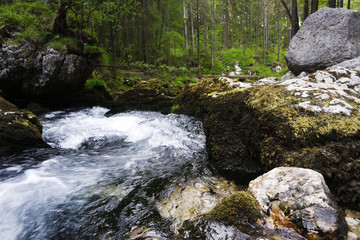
[213, 34]
[251, 26]
[348, 6]
[306, 9]
[264, 31]
[185, 28]
[226, 25]
[192, 27]
[279, 33]
[205, 26]
[244, 23]
[198, 36]
[341, 3]
[314, 5]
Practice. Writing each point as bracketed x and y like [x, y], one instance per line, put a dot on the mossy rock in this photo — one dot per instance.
[238, 207]
[252, 130]
[149, 95]
[19, 130]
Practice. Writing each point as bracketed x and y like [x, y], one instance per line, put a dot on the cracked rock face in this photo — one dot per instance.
[328, 37]
[299, 198]
[334, 91]
[48, 74]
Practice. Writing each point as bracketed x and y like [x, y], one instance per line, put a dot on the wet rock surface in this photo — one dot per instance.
[310, 122]
[44, 75]
[195, 199]
[328, 37]
[19, 130]
[299, 199]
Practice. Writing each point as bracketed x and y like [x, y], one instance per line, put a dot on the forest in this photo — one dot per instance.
[179, 37]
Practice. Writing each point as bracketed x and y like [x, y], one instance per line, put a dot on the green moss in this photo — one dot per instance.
[95, 80]
[63, 45]
[281, 103]
[238, 207]
[175, 108]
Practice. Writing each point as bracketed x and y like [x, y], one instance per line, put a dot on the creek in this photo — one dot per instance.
[103, 176]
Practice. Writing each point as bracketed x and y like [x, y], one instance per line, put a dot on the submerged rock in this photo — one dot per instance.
[299, 199]
[328, 36]
[46, 75]
[311, 122]
[19, 130]
[192, 201]
[353, 220]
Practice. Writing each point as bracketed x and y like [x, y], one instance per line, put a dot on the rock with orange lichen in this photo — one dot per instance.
[299, 200]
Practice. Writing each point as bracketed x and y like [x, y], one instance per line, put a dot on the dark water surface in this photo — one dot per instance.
[103, 177]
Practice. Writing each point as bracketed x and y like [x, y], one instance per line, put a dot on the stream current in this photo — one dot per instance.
[103, 177]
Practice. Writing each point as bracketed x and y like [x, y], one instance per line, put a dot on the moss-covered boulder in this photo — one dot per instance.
[19, 130]
[238, 207]
[311, 122]
[148, 95]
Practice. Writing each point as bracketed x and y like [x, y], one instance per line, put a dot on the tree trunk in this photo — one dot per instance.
[213, 34]
[341, 3]
[348, 6]
[306, 9]
[293, 15]
[198, 35]
[314, 5]
[205, 26]
[226, 25]
[192, 27]
[264, 31]
[60, 24]
[185, 28]
[251, 27]
[278, 32]
[332, 3]
[244, 23]
[294, 19]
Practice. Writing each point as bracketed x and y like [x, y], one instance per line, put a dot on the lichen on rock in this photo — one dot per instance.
[193, 200]
[299, 199]
[19, 130]
[311, 121]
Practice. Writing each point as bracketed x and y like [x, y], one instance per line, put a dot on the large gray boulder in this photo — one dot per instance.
[328, 37]
[299, 199]
[26, 72]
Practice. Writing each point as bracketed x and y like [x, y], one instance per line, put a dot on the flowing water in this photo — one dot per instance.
[103, 177]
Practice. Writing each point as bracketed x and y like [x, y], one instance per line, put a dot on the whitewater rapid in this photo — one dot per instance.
[103, 176]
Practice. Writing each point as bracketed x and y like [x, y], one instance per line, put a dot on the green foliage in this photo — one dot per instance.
[238, 207]
[33, 20]
[63, 44]
[95, 80]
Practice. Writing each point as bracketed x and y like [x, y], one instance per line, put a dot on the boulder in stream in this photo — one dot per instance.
[328, 36]
[299, 199]
[19, 130]
[311, 122]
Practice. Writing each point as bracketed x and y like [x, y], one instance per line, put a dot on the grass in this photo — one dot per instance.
[32, 20]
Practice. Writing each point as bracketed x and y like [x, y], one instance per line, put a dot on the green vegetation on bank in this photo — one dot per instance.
[30, 21]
